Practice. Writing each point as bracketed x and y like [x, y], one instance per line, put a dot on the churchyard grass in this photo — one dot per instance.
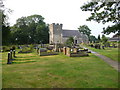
[112, 53]
[58, 71]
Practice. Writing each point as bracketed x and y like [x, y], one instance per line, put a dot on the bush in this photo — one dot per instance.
[69, 42]
[31, 47]
[13, 47]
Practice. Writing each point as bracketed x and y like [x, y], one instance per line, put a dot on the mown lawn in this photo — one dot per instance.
[112, 53]
[58, 71]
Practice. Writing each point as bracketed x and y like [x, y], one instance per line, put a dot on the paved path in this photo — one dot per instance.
[112, 63]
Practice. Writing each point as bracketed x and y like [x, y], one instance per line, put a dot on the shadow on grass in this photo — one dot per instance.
[23, 62]
[25, 53]
[24, 57]
[19, 61]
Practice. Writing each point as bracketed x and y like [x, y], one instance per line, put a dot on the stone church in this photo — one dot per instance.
[59, 35]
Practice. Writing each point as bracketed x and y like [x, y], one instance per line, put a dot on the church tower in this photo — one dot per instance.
[55, 33]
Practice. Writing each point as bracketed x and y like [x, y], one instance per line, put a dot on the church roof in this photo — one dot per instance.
[71, 33]
[114, 39]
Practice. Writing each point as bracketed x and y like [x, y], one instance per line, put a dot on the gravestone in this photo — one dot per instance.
[68, 51]
[97, 46]
[37, 49]
[42, 50]
[56, 48]
[64, 50]
[11, 54]
[59, 49]
[9, 58]
[75, 50]
[14, 54]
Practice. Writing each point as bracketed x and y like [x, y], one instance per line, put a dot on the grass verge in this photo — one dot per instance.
[58, 71]
[108, 52]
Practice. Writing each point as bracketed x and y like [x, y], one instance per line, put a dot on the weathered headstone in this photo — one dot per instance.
[14, 54]
[68, 51]
[59, 49]
[64, 50]
[37, 50]
[75, 50]
[42, 50]
[9, 60]
[56, 49]
[11, 54]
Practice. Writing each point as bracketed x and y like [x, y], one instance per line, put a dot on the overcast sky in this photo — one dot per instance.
[67, 12]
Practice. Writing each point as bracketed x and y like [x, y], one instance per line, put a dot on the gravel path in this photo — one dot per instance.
[114, 64]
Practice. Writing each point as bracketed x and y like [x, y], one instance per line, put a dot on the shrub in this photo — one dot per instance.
[31, 47]
[69, 42]
[13, 47]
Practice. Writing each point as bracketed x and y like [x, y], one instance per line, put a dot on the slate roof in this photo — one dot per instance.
[71, 33]
[114, 39]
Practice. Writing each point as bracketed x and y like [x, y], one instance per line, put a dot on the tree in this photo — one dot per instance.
[5, 34]
[99, 39]
[84, 29]
[104, 12]
[29, 30]
[93, 38]
[20, 32]
[104, 39]
[70, 41]
[4, 24]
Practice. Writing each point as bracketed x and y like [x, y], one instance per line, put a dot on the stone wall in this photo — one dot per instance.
[55, 31]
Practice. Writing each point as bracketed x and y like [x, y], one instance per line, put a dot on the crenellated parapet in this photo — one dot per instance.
[55, 31]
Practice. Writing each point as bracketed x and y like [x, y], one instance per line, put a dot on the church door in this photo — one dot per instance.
[75, 41]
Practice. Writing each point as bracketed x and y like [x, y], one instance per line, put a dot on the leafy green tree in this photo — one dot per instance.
[93, 38]
[30, 30]
[99, 39]
[69, 41]
[20, 32]
[104, 11]
[104, 39]
[5, 30]
[5, 34]
[84, 29]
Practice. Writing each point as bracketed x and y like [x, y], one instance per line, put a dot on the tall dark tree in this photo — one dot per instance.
[104, 39]
[92, 38]
[84, 29]
[20, 31]
[104, 11]
[5, 30]
[99, 39]
[30, 30]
